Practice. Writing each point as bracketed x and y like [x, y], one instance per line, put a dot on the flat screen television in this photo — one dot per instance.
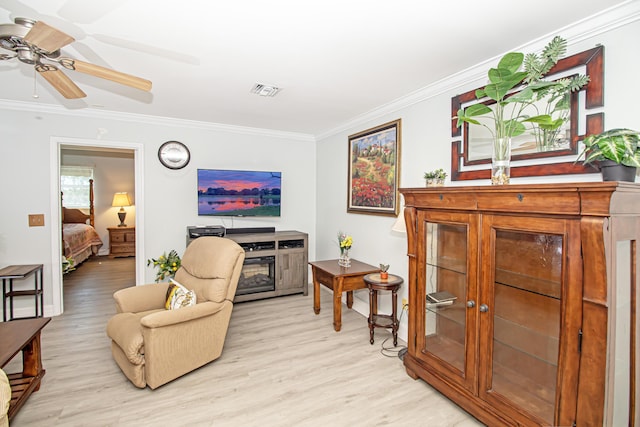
[238, 193]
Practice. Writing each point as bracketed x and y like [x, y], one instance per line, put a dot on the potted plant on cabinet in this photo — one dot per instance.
[435, 178]
[517, 93]
[616, 151]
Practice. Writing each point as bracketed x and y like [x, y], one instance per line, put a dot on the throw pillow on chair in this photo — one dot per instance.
[178, 296]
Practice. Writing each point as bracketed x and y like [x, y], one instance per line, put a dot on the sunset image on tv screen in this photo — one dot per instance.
[238, 193]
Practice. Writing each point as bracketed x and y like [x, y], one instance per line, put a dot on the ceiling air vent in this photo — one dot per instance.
[264, 90]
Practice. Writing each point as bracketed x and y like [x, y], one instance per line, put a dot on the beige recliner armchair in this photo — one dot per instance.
[153, 345]
[5, 399]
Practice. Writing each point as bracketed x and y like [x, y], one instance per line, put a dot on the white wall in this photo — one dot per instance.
[426, 143]
[170, 197]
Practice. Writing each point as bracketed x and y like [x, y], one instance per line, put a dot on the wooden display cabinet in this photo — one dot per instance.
[542, 328]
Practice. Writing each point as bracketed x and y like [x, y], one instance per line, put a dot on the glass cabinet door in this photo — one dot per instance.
[521, 300]
[450, 285]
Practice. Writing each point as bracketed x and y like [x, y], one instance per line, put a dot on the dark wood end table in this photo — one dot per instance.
[11, 272]
[375, 283]
[22, 335]
[339, 280]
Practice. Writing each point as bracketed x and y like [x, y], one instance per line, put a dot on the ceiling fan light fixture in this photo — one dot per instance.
[34, 42]
[25, 55]
[262, 89]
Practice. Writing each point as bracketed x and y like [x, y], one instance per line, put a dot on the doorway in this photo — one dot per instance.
[65, 146]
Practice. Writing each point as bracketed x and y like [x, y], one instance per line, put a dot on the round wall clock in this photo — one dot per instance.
[174, 155]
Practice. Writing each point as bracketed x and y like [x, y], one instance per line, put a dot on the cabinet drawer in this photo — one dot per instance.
[130, 236]
[565, 203]
[124, 248]
[444, 200]
[117, 237]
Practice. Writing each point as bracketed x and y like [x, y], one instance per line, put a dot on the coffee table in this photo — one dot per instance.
[22, 335]
[339, 280]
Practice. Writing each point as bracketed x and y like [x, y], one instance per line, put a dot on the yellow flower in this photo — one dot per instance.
[344, 241]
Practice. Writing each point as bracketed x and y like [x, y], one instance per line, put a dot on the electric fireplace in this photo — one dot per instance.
[258, 275]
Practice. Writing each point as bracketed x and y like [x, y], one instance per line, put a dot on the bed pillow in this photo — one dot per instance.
[178, 296]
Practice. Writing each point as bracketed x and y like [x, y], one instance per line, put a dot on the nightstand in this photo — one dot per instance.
[122, 241]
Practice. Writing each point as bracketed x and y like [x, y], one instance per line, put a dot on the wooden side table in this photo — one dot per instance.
[22, 335]
[338, 279]
[375, 283]
[11, 272]
[122, 241]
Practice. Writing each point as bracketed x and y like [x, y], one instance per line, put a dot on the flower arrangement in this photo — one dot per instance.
[344, 241]
[167, 265]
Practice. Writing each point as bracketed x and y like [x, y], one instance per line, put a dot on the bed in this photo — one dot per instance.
[80, 240]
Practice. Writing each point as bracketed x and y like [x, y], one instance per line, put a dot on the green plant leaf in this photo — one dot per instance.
[525, 96]
[633, 160]
[511, 61]
[515, 128]
[497, 91]
[543, 119]
[477, 110]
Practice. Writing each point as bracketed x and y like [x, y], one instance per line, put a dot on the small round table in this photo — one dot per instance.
[375, 283]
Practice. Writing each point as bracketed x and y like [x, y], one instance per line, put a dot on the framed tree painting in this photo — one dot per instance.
[374, 170]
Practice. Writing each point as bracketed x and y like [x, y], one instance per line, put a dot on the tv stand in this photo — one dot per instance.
[250, 230]
[289, 249]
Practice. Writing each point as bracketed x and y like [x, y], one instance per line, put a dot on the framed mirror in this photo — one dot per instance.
[471, 151]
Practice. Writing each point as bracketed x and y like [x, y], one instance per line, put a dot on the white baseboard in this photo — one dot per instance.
[24, 312]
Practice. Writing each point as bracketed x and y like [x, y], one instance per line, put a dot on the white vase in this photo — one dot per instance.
[501, 161]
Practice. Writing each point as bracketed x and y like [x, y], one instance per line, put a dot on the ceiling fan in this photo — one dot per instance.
[38, 44]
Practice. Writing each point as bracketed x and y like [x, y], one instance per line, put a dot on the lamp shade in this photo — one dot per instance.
[400, 226]
[121, 199]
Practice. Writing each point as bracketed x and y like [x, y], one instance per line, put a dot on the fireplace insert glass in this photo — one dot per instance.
[258, 275]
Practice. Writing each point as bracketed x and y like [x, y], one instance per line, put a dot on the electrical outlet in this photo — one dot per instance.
[405, 304]
[36, 220]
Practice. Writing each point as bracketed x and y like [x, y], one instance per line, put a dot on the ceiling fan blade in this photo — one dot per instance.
[60, 81]
[106, 73]
[46, 37]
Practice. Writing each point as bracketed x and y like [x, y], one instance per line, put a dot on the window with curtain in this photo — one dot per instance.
[74, 184]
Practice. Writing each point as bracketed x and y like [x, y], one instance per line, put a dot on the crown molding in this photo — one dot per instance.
[602, 22]
[151, 120]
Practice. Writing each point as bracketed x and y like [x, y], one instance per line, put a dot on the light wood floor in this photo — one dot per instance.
[282, 365]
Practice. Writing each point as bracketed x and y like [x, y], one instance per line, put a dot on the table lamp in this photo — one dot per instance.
[122, 200]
